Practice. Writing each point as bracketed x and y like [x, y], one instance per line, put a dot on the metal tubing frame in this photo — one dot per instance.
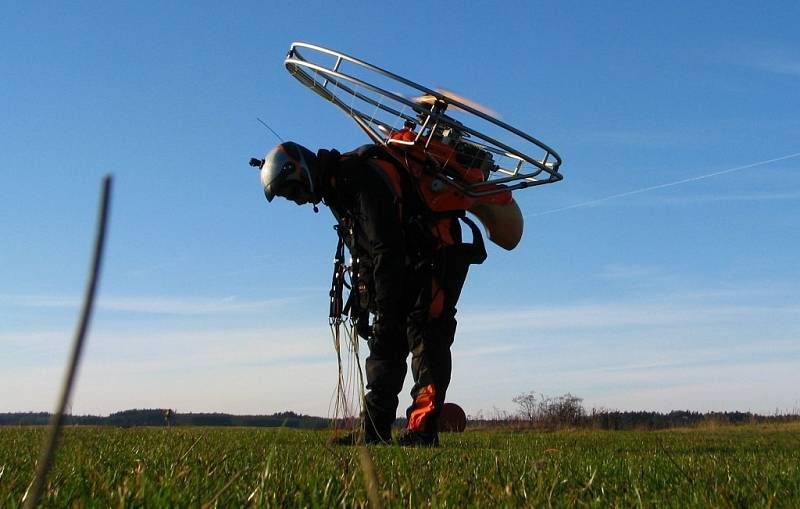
[299, 66]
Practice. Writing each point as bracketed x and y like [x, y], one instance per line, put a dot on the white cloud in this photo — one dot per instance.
[723, 198]
[195, 369]
[613, 315]
[151, 304]
[770, 57]
[701, 352]
[639, 379]
[20, 339]
[629, 272]
[742, 386]
[611, 353]
[647, 189]
[640, 139]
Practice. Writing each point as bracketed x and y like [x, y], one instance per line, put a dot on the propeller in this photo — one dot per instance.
[448, 94]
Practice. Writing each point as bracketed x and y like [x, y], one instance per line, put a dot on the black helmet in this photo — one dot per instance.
[289, 170]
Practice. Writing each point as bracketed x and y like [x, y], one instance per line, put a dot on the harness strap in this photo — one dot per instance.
[337, 307]
[477, 248]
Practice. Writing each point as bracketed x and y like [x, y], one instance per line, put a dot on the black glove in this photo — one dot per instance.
[363, 328]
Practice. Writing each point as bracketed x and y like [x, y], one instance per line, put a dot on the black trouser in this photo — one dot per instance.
[426, 329]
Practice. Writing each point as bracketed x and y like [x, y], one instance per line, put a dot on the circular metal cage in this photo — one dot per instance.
[395, 111]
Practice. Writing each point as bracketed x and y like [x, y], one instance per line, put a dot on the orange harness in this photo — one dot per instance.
[437, 195]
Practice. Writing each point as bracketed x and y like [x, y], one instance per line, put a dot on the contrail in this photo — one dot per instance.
[661, 186]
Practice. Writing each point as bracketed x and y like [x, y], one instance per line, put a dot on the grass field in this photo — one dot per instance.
[743, 466]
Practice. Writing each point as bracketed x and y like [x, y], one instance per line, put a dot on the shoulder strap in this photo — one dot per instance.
[477, 248]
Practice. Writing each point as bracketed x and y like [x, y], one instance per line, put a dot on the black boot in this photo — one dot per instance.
[412, 438]
[368, 432]
[359, 437]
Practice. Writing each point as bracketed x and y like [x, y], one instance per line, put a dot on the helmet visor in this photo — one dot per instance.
[285, 173]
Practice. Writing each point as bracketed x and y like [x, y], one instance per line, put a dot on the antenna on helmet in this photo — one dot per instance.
[271, 130]
[258, 163]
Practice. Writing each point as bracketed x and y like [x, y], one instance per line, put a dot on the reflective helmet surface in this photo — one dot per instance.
[288, 171]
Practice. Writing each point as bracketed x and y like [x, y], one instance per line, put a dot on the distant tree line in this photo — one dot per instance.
[535, 410]
[167, 417]
[616, 420]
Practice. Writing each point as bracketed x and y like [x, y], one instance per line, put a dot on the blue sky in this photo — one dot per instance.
[676, 297]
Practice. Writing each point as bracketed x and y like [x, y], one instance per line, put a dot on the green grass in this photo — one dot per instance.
[744, 466]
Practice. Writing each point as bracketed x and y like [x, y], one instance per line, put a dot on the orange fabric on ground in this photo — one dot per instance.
[423, 406]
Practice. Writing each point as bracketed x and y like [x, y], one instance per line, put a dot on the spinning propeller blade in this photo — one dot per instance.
[448, 94]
